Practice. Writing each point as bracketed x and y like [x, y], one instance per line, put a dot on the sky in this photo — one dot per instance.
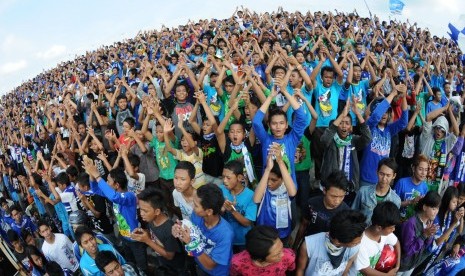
[37, 35]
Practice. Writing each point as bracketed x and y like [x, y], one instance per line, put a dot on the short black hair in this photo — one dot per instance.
[104, 258]
[187, 166]
[337, 179]
[25, 233]
[237, 167]
[154, 197]
[54, 269]
[347, 225]
[119, 177]
[431, 199]
[72, 171]
[12, 236]
[385, 214]
[259, 240]
[62, 178]
[130, 121]
[15, 208]
[277, 67]
[327, 69]
[121, 96]
[80, 231]
[83, 180]
[134, 160]
[388, 162]
[276, 112]
[42, 222]
[211, 197]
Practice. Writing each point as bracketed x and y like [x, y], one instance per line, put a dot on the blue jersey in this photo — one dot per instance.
[244, 204]
[218, 244]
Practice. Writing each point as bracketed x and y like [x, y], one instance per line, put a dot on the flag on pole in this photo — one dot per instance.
[396, 6]
[454, 33]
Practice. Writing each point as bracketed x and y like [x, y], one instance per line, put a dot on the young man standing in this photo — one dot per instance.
[124, 207]
[57, 247]
[369, 196]
[320, 209]
[86, 238]
[278, 125]
[341, 146]
[332, 253]
[208, 237]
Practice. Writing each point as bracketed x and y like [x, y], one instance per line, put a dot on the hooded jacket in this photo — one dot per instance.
[427, 136]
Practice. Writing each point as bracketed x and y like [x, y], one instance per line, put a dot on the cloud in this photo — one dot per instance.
[12, 67]
[52, 52]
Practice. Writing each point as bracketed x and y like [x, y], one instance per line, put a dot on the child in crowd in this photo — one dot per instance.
[264, 254]
[333, 252]
[184, 191]
[240, 209]
[274, 193]
[189, 152]
[208, 237]
[170, 254]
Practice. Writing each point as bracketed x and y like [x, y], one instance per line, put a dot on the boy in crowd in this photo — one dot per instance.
[86, 238]
[369, 196]
[124, 207]
[21, 221]
[335, 250]
[208, 237]
[386, 216]
[320, 209]
[240, 209]
[57, 247]
[169, 252]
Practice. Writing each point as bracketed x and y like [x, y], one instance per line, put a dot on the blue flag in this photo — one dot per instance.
[396, 6]
[454, 33]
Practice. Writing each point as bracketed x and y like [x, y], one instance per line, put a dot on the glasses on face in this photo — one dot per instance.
[115, 268]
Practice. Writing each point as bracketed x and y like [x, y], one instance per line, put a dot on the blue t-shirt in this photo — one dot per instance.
[407, 190]
[245, 205]
[431, 106]
[88, 266]
[380, 145]
[360, 92]
[218, 242]
[26, 223]
[326, 104]
[289, 142]
[124, 206]
[267, 211]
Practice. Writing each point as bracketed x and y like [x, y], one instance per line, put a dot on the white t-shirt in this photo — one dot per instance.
[136, 185]
[370, 251]
[186, 208]
[61, 251]
[319, 263]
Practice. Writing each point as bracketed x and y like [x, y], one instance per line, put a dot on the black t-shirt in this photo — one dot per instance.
[23, 259]
[101, 224]
[319, 216]
[162, 236]
[211, 155]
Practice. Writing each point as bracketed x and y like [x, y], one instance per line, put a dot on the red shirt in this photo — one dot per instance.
[242, 264]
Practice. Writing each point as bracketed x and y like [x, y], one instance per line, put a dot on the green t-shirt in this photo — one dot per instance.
[165, 160]
[303, 160]
[225, 98]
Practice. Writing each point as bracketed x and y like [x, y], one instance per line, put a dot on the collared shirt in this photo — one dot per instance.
[366, 201]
